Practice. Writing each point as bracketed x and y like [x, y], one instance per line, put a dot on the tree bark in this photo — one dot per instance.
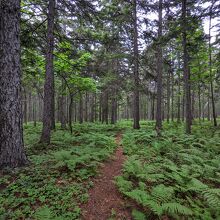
[70, 113]
[179, 92]
[81, 109]
[25, 103]
[168, 96]
[186, 71]
[210, 73]
[136, 124]
[48, 114]
[113, 107]
[12, 152]
[159, 73]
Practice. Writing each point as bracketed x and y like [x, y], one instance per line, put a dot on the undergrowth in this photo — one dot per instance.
[58, 178]
[175, 176]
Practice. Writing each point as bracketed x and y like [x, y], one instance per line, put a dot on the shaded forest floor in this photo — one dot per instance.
[86, 176]
[105, 201]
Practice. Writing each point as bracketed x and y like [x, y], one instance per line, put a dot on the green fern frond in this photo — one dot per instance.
[162, 193]
[174, 208]
[212, 196]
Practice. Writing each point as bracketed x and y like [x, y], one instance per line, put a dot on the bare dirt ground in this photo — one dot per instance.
[105, 201]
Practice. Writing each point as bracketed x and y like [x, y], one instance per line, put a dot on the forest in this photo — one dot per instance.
[109, 109]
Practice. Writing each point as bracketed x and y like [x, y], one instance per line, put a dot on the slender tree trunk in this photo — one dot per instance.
[186, 71]
[183, 106]
[12, 152]
[199, 97]
[25, 107]
[179, 92]
[172, 95]
[153, 107]
[70, 113]
[49, 80]
[159, 74]
[62, 112]
[95, 106]
[105, 107]
[168, 96]
[136, 124]
[203, 109]
[29, 107]
[100, 107]
[210, 73]
[113, 108]
[193, 103]
[208, 110]
[86, 107]
[34, 111]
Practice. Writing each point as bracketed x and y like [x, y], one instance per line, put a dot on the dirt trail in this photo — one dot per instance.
[105, 201]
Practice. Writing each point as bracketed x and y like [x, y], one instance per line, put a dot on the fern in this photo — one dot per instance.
[123, 185]
[161, 193]
[212, 196]
[43, 213]
[173, 208]
[137, 215]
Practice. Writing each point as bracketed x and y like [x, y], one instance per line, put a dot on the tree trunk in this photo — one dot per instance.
[86, 107]
[12, 152]
[168, 96]
[25, 107]
[186, 71]
[62, 105]
[172, 96]
[152, 107]
[34, 111]
[179, 92]
[136, 124]
[81, 109]
[199, 97]
[49, 79]
[70, 113]
[210, 73]
[159, 73]
[29, 107]
[113, 108]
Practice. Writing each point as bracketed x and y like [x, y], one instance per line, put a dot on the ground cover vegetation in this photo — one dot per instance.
[90, 84]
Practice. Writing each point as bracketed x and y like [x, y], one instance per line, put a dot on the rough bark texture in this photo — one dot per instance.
[49, 80]
[210, 72]
[159, 74]
[136, 124]
[11, 135]
[186, 72]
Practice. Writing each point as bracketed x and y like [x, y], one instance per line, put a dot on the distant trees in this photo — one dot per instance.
[12, 152]
[159, 70]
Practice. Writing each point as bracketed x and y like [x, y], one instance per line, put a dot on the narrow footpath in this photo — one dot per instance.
[105, 201]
